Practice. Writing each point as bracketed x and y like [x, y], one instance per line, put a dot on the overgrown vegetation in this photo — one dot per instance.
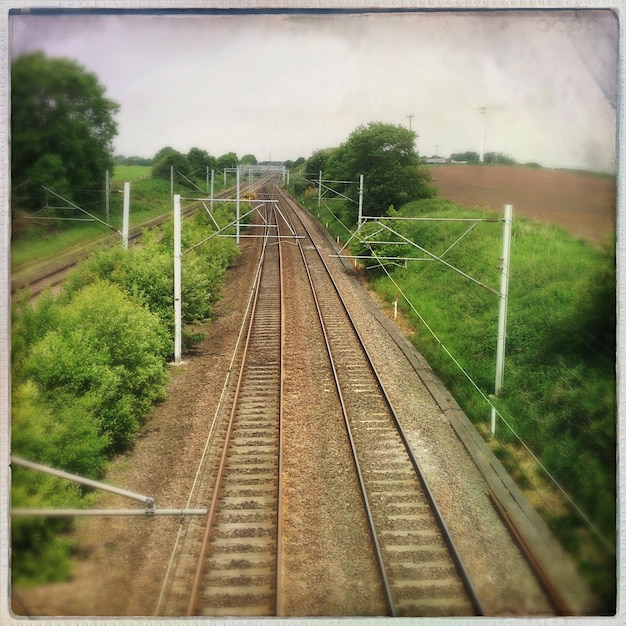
[559, 387]
[386, 157]
[89, 363]
[62, 129]
[34, 241]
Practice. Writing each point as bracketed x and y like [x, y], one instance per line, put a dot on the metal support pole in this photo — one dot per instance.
[126, 216]
[177, 281]
[25, 512]
[212, 187]
[82, 481]
[238, 206]
[207, 179]
[107, 195]
[360, 199]
[504, 297]
[319, 192]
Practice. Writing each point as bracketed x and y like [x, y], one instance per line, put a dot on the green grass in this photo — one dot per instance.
[559, 382]
[127, 173]
[149, 197]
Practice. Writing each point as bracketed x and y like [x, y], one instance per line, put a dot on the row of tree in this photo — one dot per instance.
[63, 127]
[490, 158]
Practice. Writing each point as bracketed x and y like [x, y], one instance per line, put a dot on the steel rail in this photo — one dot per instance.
[196, 585]
[279, 506]
[462, 571]
[371, 525]
[46, 277]
[195, 589]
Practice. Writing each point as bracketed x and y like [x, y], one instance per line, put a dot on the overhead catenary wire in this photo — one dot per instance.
[504, 419]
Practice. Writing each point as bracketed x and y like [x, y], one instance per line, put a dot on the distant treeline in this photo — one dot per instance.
[131, 160]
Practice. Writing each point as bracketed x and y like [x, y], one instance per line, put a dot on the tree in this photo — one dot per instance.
[199, 160]
[471, 157]
[317, 161]
[385, 155]
[499, 158]
[229, 159]
[168, 158]
[62, 128]
[248, 159]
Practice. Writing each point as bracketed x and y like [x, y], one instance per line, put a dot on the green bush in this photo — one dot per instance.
[109, 353]
[88, 365]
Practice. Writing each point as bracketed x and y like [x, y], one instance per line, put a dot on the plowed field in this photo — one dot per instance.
[583, 204]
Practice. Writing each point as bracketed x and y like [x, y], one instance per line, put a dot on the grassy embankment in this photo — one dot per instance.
[89, 361]
[149, 198]
[559, 395]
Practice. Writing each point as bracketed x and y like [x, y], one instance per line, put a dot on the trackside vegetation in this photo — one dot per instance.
[559, 395]
[88, 365]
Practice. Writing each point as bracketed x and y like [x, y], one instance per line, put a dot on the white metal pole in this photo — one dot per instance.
[212, 187]
[319, 192]
[504, 296]
[126, 215]
[238, 206]
[481, 157]
[207, 179]
[107, 195]
[361, 199]
[177, 281]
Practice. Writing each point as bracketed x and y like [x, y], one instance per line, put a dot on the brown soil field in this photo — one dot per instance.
[584, 204]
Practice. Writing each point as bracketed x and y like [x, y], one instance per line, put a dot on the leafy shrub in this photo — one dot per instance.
[108, 352]
[89, 364]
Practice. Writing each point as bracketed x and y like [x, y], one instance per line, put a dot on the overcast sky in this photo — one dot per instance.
[286, 85]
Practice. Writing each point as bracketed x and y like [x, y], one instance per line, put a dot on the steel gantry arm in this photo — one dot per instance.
[149, 510]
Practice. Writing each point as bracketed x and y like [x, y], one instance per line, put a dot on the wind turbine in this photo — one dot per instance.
[481, 156]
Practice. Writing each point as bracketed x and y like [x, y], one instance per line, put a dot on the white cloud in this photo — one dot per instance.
[292, 84]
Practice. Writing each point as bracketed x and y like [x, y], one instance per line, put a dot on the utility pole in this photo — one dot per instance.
[502, 313]
[319, 192]
[410, 116]
[437, 150]
[360, 221]
[177, 282]
[126, 214]
[238, 206]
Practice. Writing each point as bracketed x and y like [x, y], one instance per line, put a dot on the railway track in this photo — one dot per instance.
[237, 554]
[230, 565]
[420, 570]
[48, 274]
